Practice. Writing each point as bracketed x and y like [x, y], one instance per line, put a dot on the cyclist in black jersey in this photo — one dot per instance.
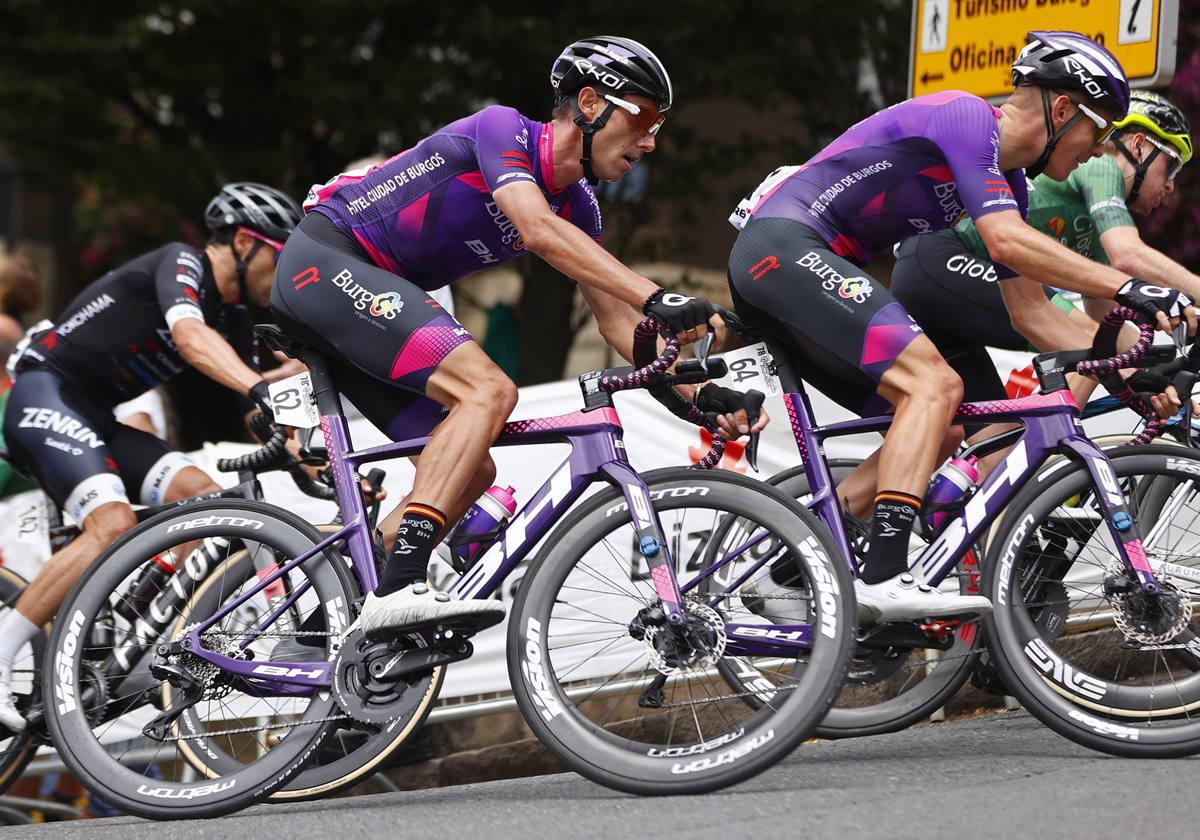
[127, 332]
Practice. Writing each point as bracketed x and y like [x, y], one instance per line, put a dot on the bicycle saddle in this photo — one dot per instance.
[277, 339]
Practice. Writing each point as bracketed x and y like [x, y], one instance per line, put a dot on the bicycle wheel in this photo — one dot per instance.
[16, 751]
[103, 717]
[1084, 651]
[644, 708]
[354, 750]
[891, 688]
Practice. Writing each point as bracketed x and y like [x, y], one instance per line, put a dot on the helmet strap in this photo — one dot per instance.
[240, 266]
[1052, 136]
[1140, 168]
[589, 129]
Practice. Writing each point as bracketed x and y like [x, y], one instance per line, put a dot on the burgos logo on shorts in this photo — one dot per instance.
[857, 289]
[382, 305]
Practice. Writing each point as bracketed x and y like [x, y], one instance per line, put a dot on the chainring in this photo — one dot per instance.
[359, 693]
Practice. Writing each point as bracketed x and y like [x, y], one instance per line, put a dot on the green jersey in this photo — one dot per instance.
[1075, 211]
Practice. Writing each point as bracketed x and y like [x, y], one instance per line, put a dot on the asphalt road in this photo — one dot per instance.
[996, 777]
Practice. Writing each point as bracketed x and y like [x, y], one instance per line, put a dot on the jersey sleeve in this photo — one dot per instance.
[965, 130]
[502, 147]
[177, 284]
[583, 210]
[1101, 187]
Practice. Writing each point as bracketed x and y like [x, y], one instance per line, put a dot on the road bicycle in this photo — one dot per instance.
[619, 664]
[352, 753]
[1092, 625]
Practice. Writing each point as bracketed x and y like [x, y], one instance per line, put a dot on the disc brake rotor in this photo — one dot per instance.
[697, 645]
[1152, 620]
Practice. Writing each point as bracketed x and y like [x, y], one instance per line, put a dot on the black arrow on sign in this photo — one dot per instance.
[928, 77]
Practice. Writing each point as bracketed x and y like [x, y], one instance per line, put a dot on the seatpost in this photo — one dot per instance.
[328, 401]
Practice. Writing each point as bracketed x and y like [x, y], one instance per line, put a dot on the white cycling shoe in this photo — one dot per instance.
[902, 598]
[419, 605]
[10, 718]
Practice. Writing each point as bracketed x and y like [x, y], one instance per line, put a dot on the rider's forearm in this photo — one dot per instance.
[204, 349]
[577, 255]
[1043, 324]
[1153, 266]
[1038, 257]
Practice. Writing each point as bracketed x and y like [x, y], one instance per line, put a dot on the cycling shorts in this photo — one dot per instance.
[77, 450]
[956, 298]
[383, 335]
[843, 328]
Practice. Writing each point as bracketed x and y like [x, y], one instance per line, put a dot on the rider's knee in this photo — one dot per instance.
[108, 522]
[495, 392]
[189, 482]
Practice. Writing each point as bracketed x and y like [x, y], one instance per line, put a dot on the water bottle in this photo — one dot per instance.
[949, 485]
[493, 509]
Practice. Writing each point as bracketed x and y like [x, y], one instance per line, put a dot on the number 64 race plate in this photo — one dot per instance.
[751, 367]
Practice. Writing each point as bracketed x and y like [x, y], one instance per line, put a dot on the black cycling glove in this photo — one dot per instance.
[260, 395]
[679, 313]
[1149, 300]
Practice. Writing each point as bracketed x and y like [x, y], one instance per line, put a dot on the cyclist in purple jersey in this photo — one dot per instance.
[136, 327]
[353, 282]
[796, 268]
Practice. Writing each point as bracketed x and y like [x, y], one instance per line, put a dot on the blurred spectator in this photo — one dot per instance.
[20, 296]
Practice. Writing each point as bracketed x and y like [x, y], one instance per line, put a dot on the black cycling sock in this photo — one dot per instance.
[415, 540]
[887, 554]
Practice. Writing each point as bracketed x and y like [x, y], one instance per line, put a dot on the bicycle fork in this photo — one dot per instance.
[651, 538]
[1115, 507]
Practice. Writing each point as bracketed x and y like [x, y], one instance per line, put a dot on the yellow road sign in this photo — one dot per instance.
[970, 44]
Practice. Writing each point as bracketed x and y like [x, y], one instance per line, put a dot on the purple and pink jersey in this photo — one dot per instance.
[427, 214]
[912, 168]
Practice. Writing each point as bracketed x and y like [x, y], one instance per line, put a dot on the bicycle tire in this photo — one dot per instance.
[600, 752]
[1070, 698]
[67, 718]
[942, 679]
[22, 747]
[323, 777]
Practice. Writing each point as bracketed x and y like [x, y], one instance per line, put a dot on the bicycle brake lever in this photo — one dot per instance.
[752, 451]
[754, 403]
[702, 347]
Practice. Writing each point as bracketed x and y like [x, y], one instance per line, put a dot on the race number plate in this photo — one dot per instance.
[293, 403]
[751, 367]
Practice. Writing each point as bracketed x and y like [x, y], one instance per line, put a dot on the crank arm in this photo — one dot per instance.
[420, 661]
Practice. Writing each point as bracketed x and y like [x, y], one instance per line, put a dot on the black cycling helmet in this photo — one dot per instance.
[1068, 61]
[621, 65]
[1155, 116]
[258, 207]
[615, 66]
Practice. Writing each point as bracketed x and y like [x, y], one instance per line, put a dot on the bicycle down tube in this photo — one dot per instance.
[597, 452]
[1051, 424]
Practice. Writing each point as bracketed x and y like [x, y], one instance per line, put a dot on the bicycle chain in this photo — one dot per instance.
[247, 729]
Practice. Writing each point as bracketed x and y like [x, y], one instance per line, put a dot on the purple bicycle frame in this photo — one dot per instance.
[1051, 426]
[597, 453]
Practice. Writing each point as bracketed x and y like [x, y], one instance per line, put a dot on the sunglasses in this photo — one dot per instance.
[646, 117]
[1174, 161]
[1104, 129]
[276, 245]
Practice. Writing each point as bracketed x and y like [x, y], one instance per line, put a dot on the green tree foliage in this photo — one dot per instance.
[143, 108]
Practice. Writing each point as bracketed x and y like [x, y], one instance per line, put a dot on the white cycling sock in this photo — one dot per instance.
[15, 631]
